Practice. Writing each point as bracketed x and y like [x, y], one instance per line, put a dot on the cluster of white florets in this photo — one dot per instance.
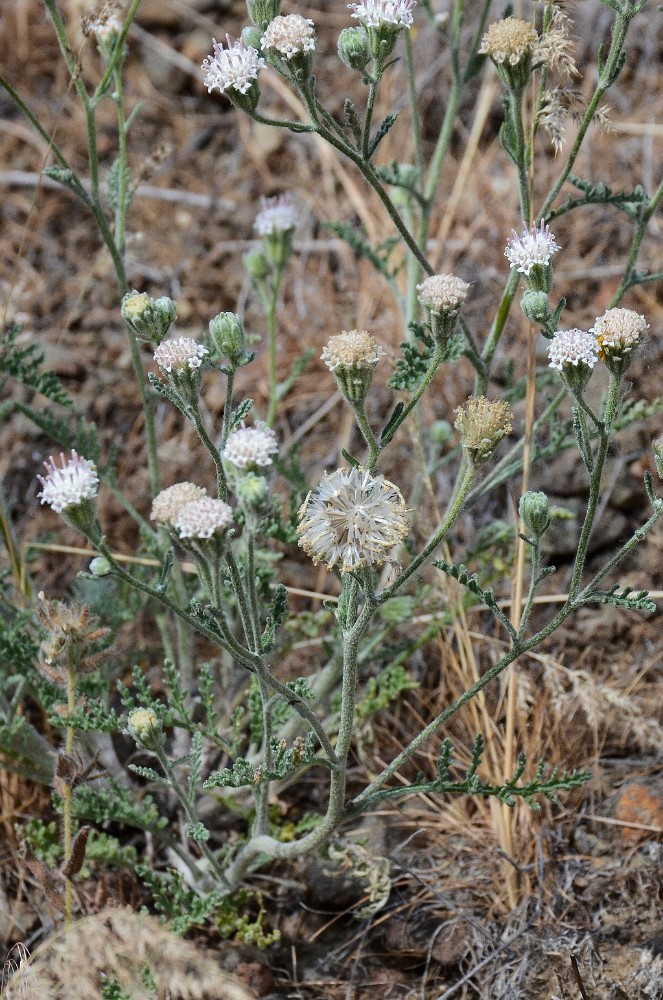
[289, 35]
[573, 347]
[534, 247]
[276, 215]
[442, 293]
[352, 349]
[233, 68]
[203, 518]
[248, 447]
[70, 483]
[620, 330]
[180, 353]
[379, 13]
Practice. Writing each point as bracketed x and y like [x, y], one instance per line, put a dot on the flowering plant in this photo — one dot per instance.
[355, 521]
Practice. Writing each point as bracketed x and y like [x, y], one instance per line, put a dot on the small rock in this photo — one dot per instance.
[641, 803]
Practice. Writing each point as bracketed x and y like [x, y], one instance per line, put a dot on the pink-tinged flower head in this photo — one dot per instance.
[251, 446]
[179, 353]
[381, 13]
[573, 347]
[234, 68]
[276, 215]
[534, 247]
[203, 518]
[352, 520]
[70, 483]
[289, 35]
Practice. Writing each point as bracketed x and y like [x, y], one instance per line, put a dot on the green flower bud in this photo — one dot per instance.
[146, 729]
[150, 319]
[353, 48]
[535, 512]
[100, 566]
[441, 432]
[227, 335]
[536, 307]
[253, 493]
[256, 264]
[657, 448]
[251, 36]
[262, 12]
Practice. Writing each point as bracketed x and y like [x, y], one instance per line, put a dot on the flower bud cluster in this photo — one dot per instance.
[150, 319]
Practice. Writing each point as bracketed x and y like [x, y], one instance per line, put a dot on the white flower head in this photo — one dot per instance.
[350, 350]
[234, 68]
[573, 347]
[533, 247]
[621, 330]
[276, 215]
[70, 483]
[510, 41]
[381, 13]
[180, 353]
[168, 503]
[352, 520]
[251, 446]
[289, 35]
[203, 518]
[442, 293]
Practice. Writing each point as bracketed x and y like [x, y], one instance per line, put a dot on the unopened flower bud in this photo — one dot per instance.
[251, 36]
[535, 512]
[657, 448]
[256, 264]
[536, 307]
[227, 333]
[353, 48]
[253, 493]
[262, 12]
[150, 319]
[146, 728]
[100, 566]
[440, 433]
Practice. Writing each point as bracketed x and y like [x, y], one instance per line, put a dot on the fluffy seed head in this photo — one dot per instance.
[619, 331]
[352, 349]
[234, 68]
[167, 504]
[442, 293]
[381, 13]
[290, 36]
[509, 41]
[203, 518]
[572, 347]
[183, 352]
[251, 446]
[353, 519]
[70, 483]
[533, 247]
[276, 215]
[482, 423]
